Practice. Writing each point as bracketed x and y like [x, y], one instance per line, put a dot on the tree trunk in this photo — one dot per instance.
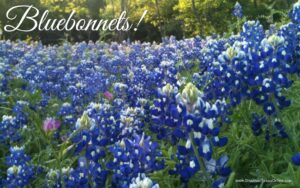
[255, 3]
[121, 33]
[196, 15]
[113, 8]
[159, 18]
[123, 5]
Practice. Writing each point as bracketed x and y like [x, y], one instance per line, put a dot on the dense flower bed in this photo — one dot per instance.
[97, 114]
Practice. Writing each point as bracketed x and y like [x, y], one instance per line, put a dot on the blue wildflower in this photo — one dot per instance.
[295, 14]
[296, 159]
[238, 10]
[20, 172]
[142, 181]
[9, 129]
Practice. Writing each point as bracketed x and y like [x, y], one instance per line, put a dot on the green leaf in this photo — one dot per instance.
[230, 180]
[170, 152]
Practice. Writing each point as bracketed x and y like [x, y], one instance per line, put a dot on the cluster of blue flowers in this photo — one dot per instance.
[120, 105]
[10, 125]
[294, 42]
[19, 171]
[186, 117]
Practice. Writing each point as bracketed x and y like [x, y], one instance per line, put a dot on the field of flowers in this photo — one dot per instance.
[191, 113]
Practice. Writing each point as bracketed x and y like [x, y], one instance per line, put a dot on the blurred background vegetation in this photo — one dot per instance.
[180, 18]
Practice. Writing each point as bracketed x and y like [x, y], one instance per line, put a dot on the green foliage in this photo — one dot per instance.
[60, 6]
[180, 18]
[203, 17]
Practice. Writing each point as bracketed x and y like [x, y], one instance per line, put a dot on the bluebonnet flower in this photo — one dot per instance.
[68, 113]
[238, 10]
[17, 156]
[76, 177]
[66, 109]
[205, 135]
[295, 14]
[44, 101]
[98, 174]
[20, 113]
[107, 125]
[195, 125]
[82, 135]
[280, 129]
[9, 129]
[18, 176]
[253, 32]
[220, 169]
[142, 181]
[131, 157]
[260, 123]
[167, 115]
[188, 164]
[257, 67]
[3, 81]
[131, 120]
[19, 172]
[269, 108]
[219, 183]
[257, 124]
[296, 159]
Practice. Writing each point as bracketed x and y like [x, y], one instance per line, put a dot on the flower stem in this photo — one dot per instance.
[200, 159]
